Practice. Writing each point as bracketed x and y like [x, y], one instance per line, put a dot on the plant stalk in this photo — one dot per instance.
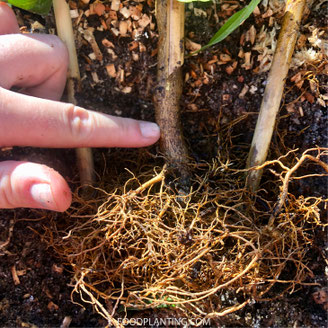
[170, 20]
[65, 32]
[273, 91]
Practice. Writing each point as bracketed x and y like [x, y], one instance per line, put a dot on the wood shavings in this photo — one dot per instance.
[95, 77]
[136, 34]
[142, 47]
[112, 53]
[92, 56]
[265, 45]
[111, 70]
[135, 12]
[229, 69]
[135, 56]
[301, 41]
[298, 79]
[108, 44]
[112, 16]
[268, 13]
[115, 31]
[91, 10]
[316, 39]
[243, 91]
[52, 306]
[59, 269]
[248, 62]
[88, 35]
[192, 46]
[314, 86]
[115, 5]
[256, 11]
[133, 45]
[15, 275]
[300, 109]
[321, 101]
[120, 75]
[225, 58]
[251, 35]
[66, 322]
[227, 9]
[37, 26]
[209, 67]
[305, 57]
[199, 12]
[277, 6]
[99, 9]
[290, 108]
[125, 12]
[252, 89]
[144, 21]
[103, 24]
[123, 28]
[74, 13]
[127, 90]
[213, 60]
[309, 97]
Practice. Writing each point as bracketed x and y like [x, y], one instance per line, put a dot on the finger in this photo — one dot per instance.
[32, 185]
[8, 22]
[30, 121]
[36, 62]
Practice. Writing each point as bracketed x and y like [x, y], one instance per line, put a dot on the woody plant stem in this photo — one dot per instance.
[170, 20]
[65, 32]
[273, 91]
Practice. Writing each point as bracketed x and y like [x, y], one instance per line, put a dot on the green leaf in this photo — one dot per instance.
[40, 7]
[194, 0]
[231, 24]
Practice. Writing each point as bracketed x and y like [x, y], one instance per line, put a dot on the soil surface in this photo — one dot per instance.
[221, 85]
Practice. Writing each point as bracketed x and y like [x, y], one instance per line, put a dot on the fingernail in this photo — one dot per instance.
[42, 194]
[149, 130]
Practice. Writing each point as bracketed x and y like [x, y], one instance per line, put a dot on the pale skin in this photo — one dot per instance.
[38, 65]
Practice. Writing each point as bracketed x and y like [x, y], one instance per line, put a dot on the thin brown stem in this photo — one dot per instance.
[65, 32]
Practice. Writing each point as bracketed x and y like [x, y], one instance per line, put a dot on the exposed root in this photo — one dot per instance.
[146, 247]
[4, 244]
[290, 172]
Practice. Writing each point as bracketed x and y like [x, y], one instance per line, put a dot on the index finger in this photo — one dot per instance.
[31, 121]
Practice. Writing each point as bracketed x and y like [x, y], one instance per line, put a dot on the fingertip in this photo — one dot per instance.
[8, 22]
[32, 185]
[61, 192]
[46, 188]
[104, 130]
[134, 133]
[149, 130]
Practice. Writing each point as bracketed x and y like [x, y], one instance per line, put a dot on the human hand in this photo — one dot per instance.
[38, 65]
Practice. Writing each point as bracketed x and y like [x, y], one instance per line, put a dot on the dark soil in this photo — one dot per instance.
[42, 298]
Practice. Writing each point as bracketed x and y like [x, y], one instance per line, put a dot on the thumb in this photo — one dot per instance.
[24, 184]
